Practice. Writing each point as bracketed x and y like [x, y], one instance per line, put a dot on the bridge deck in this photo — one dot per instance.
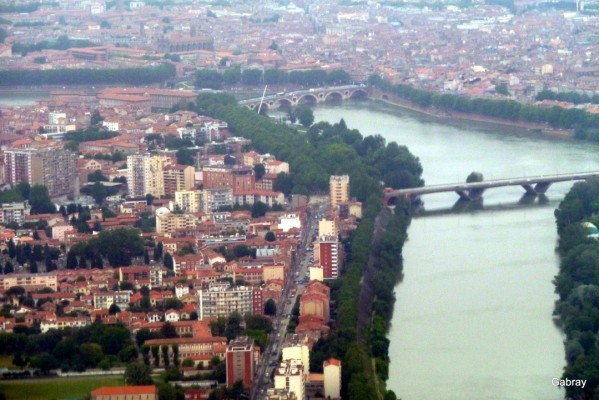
[493, 183]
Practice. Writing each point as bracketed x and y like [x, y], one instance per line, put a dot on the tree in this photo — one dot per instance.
[305, 116]
[502, 89]
[233, 327]
[12, 249]
[168, 261]
[259, 209]
[259, 171]
[270, 307]
[97, 176]
[146, 257]
[114, 309]
[208, 78]
[168, 330]
[165, 356]
[270, 236]
[40, 201]
[91, 354]
[173, 303]
[99, 192]
[8, 268]
[44, 362]
[71, 260]
[158, 252]
[474, 177]
[24, 189]
[283, 183]
[138, 374]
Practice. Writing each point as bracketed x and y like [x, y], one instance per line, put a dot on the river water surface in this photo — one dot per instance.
[473, 317]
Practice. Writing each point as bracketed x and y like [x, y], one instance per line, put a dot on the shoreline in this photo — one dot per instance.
[541, 129]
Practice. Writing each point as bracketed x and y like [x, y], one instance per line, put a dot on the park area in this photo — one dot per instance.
[56, 388]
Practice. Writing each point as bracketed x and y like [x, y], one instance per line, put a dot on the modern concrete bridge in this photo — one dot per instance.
[310, 96]
[473, 191]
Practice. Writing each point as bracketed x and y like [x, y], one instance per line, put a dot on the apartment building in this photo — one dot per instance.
[168, 222]
[178, 178]
[338, 189]
[220, 299]
[30, 282]
[241, 361]
[189, 201]
[14, 212]
[327, 253]
[145, 174]
[199, 349]
[289, 375]
[215, 199]
[106, 299]
[52, 167]
[332, 378]
[295, 347]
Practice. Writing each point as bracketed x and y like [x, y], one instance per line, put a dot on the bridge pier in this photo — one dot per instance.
[539, 188]
[529, 189]
[472, 194]
[463, 195]
[542, 187]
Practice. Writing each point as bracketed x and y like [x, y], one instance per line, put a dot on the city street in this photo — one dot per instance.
[297, 281]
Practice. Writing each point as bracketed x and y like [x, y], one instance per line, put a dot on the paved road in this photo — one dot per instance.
[294, 287]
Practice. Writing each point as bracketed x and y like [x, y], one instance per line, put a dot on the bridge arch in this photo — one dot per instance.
[334, 97]
[285, 104]
[307, 99]
[358, 94]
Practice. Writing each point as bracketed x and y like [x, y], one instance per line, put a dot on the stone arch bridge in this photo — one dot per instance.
[310, 96]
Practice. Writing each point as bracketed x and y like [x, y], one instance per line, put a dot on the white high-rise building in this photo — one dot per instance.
[289, 375]
[332, 378]
[136, 174]
[295, 347]
[145, 174]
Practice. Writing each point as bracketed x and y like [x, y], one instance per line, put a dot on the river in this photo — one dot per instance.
[22, 97]
[473, 317]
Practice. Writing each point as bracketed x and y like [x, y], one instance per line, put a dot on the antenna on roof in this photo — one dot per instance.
[262, 99]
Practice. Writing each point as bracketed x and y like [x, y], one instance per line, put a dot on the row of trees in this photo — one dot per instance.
[585, 124]
[26, 253]
[572, 97]
[322, 151]
[94, 346]
[214, 79]
[62, 43]
[36, 195]
[118, 246]
[577, 284]
[357, 356]
[132, 76]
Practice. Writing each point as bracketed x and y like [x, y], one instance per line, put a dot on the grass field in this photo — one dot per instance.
[56, 388]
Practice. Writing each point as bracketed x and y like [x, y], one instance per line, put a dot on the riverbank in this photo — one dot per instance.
[440, 115]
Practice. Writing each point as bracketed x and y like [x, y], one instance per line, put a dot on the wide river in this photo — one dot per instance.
[473, 317]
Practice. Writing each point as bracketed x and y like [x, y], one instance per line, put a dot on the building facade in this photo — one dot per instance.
[241, 361]
[289, 375]
[54, 168]
[189, 201]
[338, 189]
[221, 299]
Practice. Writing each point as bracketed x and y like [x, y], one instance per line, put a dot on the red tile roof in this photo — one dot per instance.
[115, 390]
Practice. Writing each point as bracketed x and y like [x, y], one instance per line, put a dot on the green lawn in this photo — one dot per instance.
[56, 388]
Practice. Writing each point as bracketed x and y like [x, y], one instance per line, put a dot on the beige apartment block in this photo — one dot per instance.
[338, 189]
